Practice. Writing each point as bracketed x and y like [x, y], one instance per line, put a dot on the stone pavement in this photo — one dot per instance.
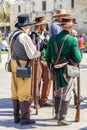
[44, 120]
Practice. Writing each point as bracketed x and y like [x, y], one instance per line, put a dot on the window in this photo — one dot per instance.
[72, 3]
[19, 9]
[43, 5]
[60, 6]
[33, 6]
[60, 3]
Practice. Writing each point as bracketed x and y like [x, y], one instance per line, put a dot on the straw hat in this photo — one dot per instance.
[61, 12]
[68, 22]
[40, 20]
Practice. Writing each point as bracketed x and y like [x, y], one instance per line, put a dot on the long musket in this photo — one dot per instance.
[35, 94]
[77, 116]
[37, 77]
[33, 72]
[37, 81]
[53, 96]
[33, 79]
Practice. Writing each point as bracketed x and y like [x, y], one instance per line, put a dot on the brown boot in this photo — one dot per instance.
[45, 105]
[29, 110]
[25, 120]
[56, 117]
[16, 108]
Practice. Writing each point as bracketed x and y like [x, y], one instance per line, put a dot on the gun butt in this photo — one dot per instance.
[37, 105]
[36, 109]
[77, 117]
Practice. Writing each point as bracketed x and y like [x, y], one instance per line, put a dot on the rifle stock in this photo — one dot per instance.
[53, 96]
[34, 91]
[77, 116]
[37, 106]
[37, 87]
[37, 82]
[32, 81]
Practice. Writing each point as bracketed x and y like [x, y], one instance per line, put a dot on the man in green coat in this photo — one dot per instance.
[62, 84]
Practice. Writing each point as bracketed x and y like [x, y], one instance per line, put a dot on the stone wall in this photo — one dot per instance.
[35, 8]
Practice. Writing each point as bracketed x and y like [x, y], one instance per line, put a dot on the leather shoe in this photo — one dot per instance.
[56, 117]
[63, 122]
[45, 105]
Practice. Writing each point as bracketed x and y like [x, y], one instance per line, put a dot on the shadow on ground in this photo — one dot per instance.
[85, 128]
[39, 123]
[6, 117]
[10, 123]
[5, 103]
[5, 107]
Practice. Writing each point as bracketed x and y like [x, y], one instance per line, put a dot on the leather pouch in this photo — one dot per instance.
[23, 72]
[8, 66]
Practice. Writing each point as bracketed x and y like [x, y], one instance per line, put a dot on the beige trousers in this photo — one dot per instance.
[20, 88]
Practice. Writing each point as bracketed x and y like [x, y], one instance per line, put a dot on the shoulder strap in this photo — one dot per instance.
[15, 35]
[12, 40]
[55, 44]
[60, 49]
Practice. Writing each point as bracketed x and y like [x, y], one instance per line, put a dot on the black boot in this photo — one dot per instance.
[62, 114]
[16, 110]
[25, 120]
[56, 105]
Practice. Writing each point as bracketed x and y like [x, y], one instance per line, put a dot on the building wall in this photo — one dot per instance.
[34, 8]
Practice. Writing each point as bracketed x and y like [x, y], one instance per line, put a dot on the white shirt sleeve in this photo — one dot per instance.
[30, 48]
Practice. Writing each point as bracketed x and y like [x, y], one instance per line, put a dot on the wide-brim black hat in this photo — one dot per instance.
[23, 20]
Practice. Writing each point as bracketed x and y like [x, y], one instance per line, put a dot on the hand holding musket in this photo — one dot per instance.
[44, 37]
[41, 37]
[38, 38]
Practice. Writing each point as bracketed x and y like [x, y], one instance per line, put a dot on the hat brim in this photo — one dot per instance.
[67, 25]
[41, 23]
[62, 15]
[17, 25]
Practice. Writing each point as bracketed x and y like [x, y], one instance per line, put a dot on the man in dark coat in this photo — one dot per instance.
[22, 49]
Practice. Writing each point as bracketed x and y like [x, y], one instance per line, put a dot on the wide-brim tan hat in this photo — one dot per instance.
[39, 18]
[61, 12]
[42, 22]
[68, 22]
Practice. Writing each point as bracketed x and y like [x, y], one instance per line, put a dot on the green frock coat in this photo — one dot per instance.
[70, 46]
